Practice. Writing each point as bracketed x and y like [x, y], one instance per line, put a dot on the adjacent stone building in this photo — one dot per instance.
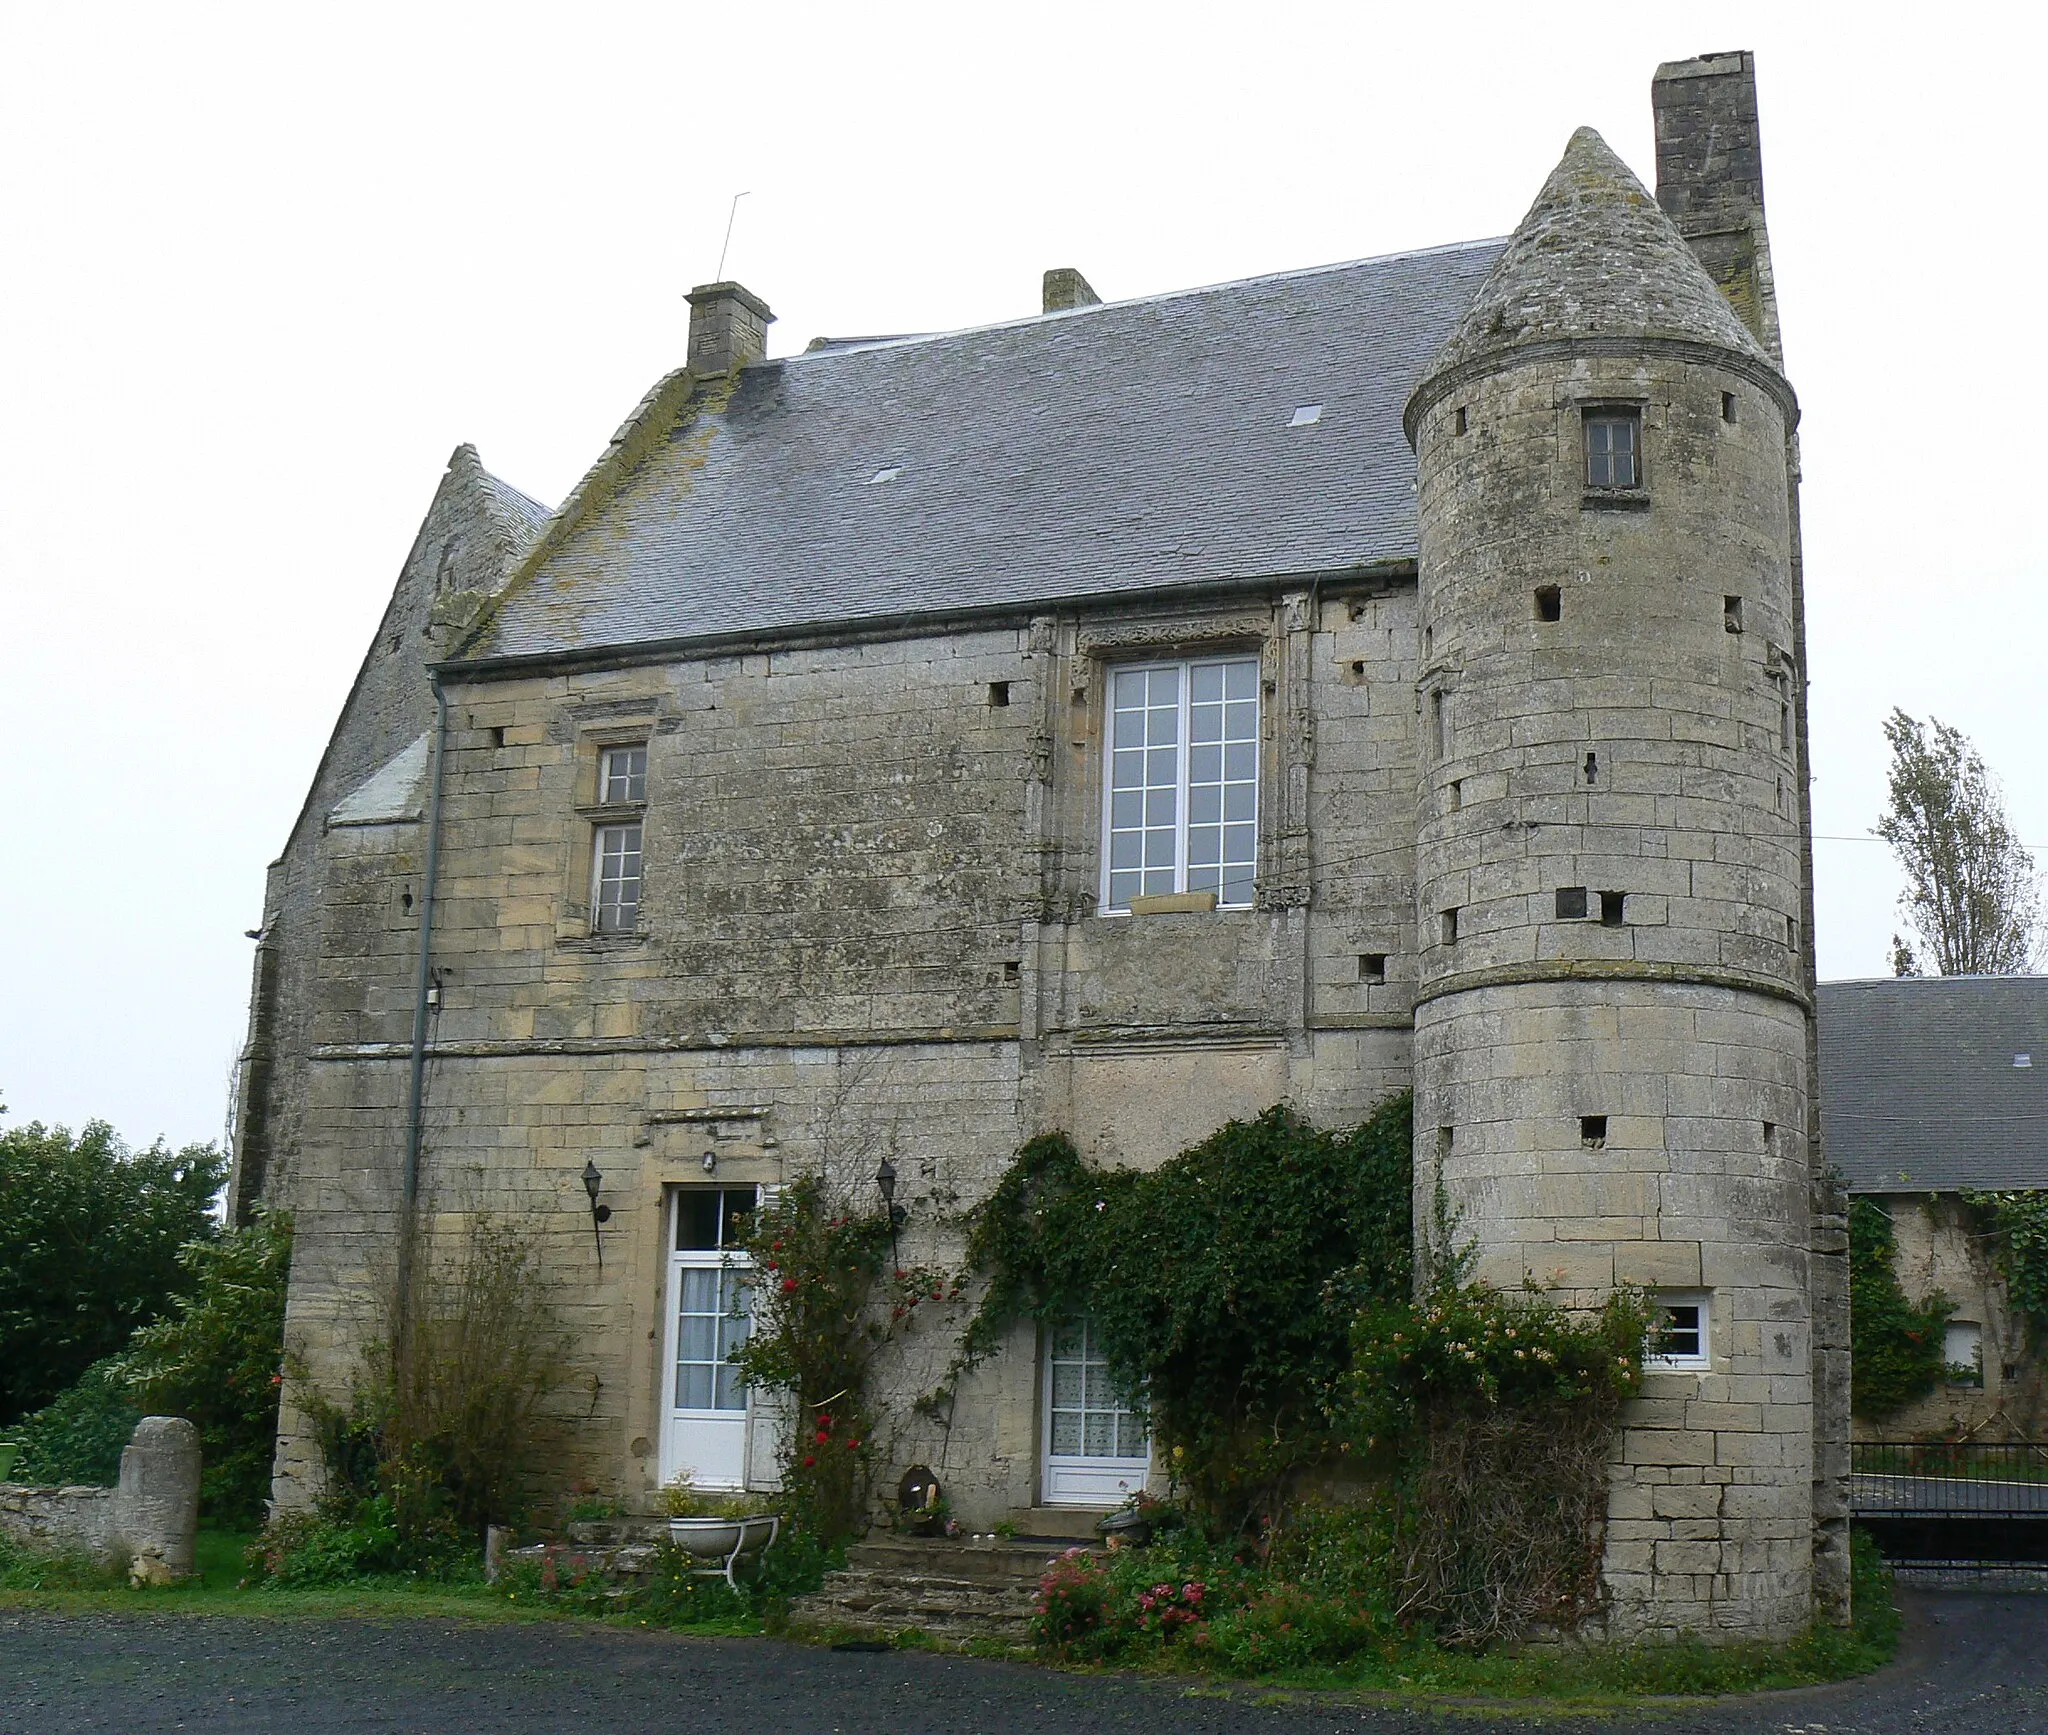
[1117, 721]
[1937, 1091]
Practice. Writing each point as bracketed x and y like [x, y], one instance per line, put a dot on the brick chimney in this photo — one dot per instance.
[1065, 287]
[1710, 179]
[728, 328]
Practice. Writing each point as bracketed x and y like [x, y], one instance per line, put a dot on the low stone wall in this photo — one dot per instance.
[149, 1523]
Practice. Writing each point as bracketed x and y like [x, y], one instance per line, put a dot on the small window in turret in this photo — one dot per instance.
[1461, 420]
[1549, 603]
[1731, 614]
[1728, 406]
[1612, 907]
[1614, 448]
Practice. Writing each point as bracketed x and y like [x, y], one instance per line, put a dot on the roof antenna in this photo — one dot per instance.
[729, 216]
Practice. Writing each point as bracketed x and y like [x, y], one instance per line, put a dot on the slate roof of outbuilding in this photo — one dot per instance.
[1919, 1086]
[1595, 257]
[1106, 450]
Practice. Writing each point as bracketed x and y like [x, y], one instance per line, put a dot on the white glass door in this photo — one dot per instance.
[1096, 1450]
[704, 1403]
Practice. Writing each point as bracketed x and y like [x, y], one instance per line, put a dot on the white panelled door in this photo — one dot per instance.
[704, 1408]
[1096, 1450]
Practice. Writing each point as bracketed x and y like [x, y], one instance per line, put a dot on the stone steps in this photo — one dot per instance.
[941, 1589]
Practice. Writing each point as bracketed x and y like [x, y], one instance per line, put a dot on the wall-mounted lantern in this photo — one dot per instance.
[592, 1181]
[885, 1179]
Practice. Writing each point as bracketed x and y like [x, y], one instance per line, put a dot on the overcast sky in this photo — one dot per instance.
[265, 266]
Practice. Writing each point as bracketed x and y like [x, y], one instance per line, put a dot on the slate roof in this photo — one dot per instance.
[389, 795]
[1919, 1086]
[1595, 257]
[1111, 449]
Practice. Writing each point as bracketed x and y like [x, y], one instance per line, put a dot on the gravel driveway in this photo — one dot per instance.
[1971, 1665]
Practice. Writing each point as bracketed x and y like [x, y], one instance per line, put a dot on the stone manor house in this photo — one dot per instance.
[1117, 720]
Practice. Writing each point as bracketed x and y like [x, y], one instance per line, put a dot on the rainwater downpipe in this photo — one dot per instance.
[422, 984]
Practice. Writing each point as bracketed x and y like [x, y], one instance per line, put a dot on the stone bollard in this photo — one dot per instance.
[156, 1506]
[495, 1538]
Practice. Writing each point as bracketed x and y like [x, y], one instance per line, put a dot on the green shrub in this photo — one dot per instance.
[1897, 1351]
[92, 1233]
[1500, 1410]
[217, 1361]
[826, 1276]
[1221, 1286]
[78, 1437]
[1287, 1627]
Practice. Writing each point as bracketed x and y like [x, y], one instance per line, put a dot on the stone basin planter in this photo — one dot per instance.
[1129, 1526]
[725, 1540]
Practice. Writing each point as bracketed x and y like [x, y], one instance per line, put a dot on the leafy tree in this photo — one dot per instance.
[218, 1360]
[77, 1438]
[89, 1239]
[1971, 894]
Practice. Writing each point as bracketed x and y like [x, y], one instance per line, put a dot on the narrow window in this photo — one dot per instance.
[1428, 643]
[1450, 927]
[1770, 1133]
[1443, 1145]
[1610, 909]
[1183, 781]
[1440, 724]
[1457, 793]
[1549, 603]
[1792, 932]
[1614, 449]
[1962, 1348]
[615, 880]
[1013, 971]
[498, 736]
[1731, 614]
[1593, 1131]
[1592, 768]
[1461, 419]
[1680, 1335]
[1571, 903]
[1784, 722]
[622, 775]
[1372, 966]
[1727, 406]
[999, 693]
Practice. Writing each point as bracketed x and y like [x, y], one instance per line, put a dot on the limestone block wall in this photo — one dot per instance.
[460, 550]
[868, 928]
[147, 1523]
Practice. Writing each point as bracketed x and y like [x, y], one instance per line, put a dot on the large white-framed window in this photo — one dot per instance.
[1181, 781]
[1681, 1332]
[1096, 1448]
[710, 1314]
[617, 844]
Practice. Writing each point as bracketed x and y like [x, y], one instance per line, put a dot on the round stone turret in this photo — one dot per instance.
[1610, 1040]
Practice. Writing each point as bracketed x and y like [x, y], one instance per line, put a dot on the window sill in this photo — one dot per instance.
[613, 812]
[1171, 903]
[601, 942]
[1615, 500]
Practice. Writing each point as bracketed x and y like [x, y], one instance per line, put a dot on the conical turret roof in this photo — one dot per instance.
[1595, 258]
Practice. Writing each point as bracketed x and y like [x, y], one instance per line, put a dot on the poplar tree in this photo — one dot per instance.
[1972, 895]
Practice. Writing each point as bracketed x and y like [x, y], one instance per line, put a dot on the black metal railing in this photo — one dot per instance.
[1960, 1503]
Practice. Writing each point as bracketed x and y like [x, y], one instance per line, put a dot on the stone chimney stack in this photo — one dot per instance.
[1710, 179]
[1064, 288]
[728, 328]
